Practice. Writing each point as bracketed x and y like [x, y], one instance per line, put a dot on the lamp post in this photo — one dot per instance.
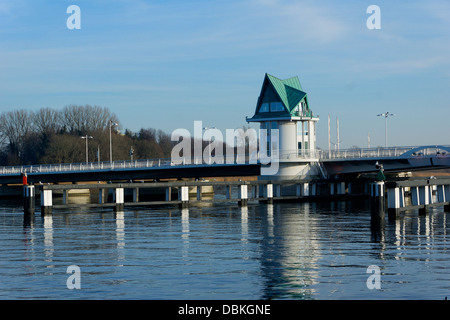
[385, 115]
[131, 153]
[87, 138]
[111, 124]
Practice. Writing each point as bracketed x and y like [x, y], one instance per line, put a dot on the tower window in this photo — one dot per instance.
[276, 106]
[264, 107]
[271, 107]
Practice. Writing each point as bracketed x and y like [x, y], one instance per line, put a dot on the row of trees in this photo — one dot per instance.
[54, 136]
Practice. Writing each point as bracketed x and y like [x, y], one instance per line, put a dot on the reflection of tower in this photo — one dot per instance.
[283, 105]
[289, 252]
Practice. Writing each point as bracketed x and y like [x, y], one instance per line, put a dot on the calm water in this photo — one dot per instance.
[281, 251]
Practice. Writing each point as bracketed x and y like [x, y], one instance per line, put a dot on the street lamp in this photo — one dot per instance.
[385, 115]
[131, 153]
[87, 138]
[111, 124]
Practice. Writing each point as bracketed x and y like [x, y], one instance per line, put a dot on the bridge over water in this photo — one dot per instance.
[395, 159]
[347, 161]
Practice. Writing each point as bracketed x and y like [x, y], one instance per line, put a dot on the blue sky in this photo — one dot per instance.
[165, 64]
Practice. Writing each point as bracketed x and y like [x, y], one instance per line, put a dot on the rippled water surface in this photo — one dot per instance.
[280, 251]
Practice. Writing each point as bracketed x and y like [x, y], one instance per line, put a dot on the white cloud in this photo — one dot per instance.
[307, 20]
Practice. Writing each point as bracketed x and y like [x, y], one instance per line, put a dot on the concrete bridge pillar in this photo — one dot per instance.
[65, 197]
[46, 201]
[441, 196]
[425, 198]
[313, 189]
[101, 196]
[420, 196]
[415, 200]
[168, 194]
[183, 195]
[298, 190]
[254, 191]
[337, 188]
[199, 192]
[396, 200]
[267, 192]
[119, 199]
[277, 190]
[340, 188]
[447, 197]
[243, 195]
[228, 192]
[447, 192]
[136, 195]
[305, 189]
[424, 194]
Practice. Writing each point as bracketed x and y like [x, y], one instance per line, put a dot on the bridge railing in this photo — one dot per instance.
[124, 164]
[362, 153]
[352, 153]
[380, 152]
[83, 166]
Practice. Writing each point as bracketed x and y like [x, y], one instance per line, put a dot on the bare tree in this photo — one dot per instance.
[47, 121]
[71, 119]
[64, 148]
[98, 117]
[52, 136]
[83, 119]
[15, 126]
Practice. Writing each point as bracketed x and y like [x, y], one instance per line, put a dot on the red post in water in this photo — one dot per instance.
[24, 179]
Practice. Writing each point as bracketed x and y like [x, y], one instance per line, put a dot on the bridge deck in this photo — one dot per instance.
[335, 162]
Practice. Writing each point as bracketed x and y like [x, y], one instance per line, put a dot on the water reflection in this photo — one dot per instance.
[270, 223]
[409, 232]
[377, 229]
[185, 231]
[286, 251]
[289, 253]
[48, 242]
[244, 224]
[120, 235]
[28, 221]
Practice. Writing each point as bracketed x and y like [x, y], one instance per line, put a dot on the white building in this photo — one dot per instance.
[283, 105]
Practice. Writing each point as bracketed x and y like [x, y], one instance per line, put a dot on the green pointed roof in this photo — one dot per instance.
[289, 92]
